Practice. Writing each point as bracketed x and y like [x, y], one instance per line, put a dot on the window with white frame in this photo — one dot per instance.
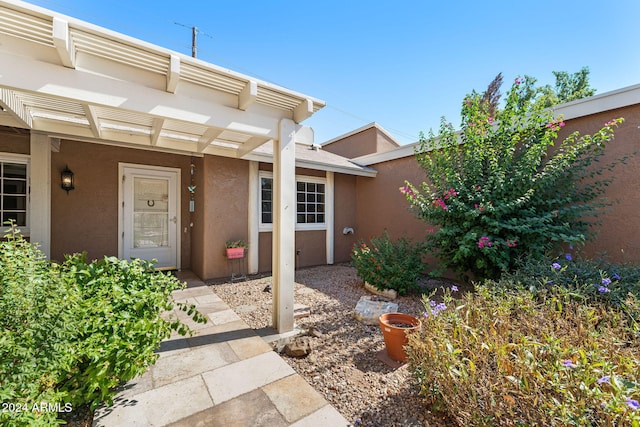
[310, 201]
[14, 189]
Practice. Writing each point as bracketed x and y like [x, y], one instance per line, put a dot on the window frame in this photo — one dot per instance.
[299, 178]
[21, 160]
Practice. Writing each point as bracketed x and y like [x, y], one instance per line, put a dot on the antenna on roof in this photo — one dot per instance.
[194, 38]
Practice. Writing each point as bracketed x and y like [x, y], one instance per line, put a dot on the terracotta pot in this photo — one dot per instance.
[394, 330]
[234, 253]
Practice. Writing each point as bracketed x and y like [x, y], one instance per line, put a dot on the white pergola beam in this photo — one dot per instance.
[97, 90]
[173, 74]
[284, 207]
[62, 42]
[207, 138]
[94, 121]
[303, 111]
[248, 95]
[253, 143]
[16, 109]
[156, 128]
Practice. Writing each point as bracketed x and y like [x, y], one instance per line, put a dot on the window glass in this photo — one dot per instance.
[13, 189]
[310, 205]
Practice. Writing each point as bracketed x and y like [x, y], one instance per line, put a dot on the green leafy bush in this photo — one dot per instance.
[503, 187]
[73, 332]
[595, 279]
[506, 356]
[120, 324]
[386, 264]
[37, 326]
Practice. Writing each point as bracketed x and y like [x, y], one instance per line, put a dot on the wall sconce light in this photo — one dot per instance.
[67, 179]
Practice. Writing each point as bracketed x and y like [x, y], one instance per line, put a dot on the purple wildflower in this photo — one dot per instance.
[633, 404]
[603, 289]
[606, 281]
[616, 276]
[556, 266]
[569, 364]
[454, 288]
[568, 257]
[604, 379]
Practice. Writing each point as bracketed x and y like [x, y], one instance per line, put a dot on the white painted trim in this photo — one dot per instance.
[178, 171]
[254, 218]
[329, 207]
[40, 192]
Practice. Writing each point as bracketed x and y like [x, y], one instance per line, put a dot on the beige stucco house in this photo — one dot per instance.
[170, 156]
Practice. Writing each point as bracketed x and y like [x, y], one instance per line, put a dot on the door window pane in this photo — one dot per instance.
[150, 213]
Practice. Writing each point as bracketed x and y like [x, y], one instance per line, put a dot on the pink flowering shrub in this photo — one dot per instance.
[499, 190]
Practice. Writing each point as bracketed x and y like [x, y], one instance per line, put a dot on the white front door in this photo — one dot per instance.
[150, 208]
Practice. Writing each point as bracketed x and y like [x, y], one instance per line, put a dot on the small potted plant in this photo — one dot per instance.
[235, 249]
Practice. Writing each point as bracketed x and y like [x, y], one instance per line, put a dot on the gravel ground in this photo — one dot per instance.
[344, 365]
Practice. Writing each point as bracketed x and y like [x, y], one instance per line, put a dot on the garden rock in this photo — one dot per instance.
[370, 308]
[386, 293]
[300, 311]
[299, 347]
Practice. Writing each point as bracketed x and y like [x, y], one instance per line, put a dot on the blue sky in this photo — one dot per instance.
[402, 64]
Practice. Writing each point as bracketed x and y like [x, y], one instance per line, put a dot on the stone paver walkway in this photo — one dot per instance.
[225, 375]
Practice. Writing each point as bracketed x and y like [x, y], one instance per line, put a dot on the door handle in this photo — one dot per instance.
[174, 220]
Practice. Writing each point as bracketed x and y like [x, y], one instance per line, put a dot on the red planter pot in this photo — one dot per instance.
[395, 327]
[234, 253]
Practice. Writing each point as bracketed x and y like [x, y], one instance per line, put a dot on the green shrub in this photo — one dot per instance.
[506, 356]
[386, 264]
[72, 333]
[120, 324]
[595, 279]
[503, 187]
[37, 326]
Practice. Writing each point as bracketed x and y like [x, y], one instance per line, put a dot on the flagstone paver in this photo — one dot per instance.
[224, 375]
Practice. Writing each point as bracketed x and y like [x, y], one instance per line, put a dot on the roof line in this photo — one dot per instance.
[361, 129]
[600, 103]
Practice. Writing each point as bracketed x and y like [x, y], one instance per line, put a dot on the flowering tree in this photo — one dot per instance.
[499, 188]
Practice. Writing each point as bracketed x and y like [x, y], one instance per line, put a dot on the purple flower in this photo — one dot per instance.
[556, 266]
[605, 379]
[633, 404]
[606, 281]
[438, 308]
[568, 256]
[432, 303]
[616, 276]
[426, 315]
[569, 364]
[454, 288]
[603, 289]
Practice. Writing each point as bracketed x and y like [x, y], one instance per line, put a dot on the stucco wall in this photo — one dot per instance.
[619, 234]
[14, 141]
[221, 212]
[368, 141]
[381, 206]
[344, 216]
[86, 219]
